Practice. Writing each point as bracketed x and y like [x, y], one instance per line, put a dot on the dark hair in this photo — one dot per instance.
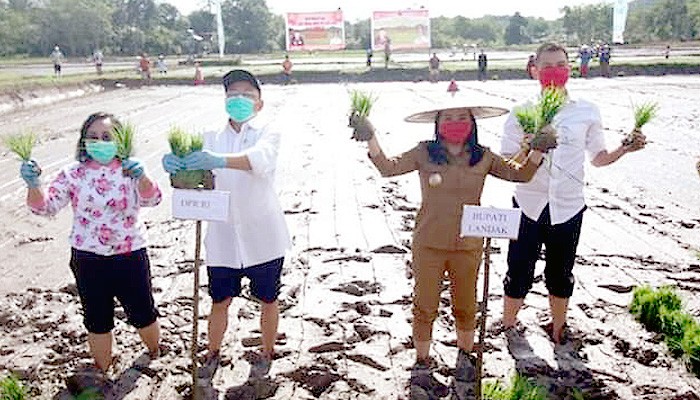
[437, 153]
[551, 47]
[80, 153]
[240, 75]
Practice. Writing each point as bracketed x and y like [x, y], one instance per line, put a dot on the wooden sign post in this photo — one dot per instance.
[487, 223]
[199, 205]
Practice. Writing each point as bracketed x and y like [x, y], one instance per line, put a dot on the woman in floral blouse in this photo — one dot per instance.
[108, 254]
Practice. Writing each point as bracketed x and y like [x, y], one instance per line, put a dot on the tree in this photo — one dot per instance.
[78, 26]
[169, 17]
[588, 23]
[141, 14]
[277, 33]
[202, 21]
[247, 25]
[515, 32]
[671, 20]
[17, 32]
[538, 28]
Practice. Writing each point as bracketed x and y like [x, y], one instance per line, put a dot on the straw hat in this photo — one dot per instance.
[476, 111]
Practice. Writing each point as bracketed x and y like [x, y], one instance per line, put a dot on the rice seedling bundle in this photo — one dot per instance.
[22, 144]
[12, 389]
[643, 113]
[520, 388]
[534, 118]
[661, 311]
[183, 143]
[124, 139]
[691, 349]
[674, 325]
[647, 304]
[361, 103]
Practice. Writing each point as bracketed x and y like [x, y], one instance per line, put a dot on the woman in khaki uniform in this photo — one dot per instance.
[452, 170]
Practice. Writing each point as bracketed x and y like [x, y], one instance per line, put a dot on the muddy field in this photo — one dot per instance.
[344, 329]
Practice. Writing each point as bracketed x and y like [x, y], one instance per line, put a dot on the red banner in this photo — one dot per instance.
[315, 31]
[403, 29]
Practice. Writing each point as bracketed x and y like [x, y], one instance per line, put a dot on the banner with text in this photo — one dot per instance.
[490, 222]
[315, 31]
[398, 30]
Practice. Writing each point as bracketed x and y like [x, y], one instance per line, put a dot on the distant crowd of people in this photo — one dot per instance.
[585, 55]
[143, 65]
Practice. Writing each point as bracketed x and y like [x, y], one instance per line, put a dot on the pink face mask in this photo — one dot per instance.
[553, 76]
[455, 132]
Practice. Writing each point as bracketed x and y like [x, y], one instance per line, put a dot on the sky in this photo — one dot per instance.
[359, 9]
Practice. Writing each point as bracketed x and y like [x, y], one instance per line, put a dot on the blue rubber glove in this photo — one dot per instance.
[133, 168]
[172, 163]
[205, 160]
[30, 172]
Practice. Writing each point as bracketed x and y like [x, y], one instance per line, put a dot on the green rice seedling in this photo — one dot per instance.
[90, 394]
[361, 103]
[640, 295]
[493, 390]
[522, 388]
[180, 141]
[11, 388]
[182, 144]
[534, 118]
[22, 144]
[196, 142]
[644, 113]
[551, 101]
[691, 349]
[577, 394]
[527, 119]
[124, 139]
[674, 325]
[647, 304]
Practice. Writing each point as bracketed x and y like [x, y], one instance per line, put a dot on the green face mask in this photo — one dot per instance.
[101, 151]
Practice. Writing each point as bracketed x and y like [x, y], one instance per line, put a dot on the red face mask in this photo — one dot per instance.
[455, 132]
[553, 76]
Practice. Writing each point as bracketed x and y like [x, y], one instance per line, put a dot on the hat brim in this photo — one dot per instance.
[479, 112]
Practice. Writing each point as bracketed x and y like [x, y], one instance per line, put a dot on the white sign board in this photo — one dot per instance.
[202, 205]
[490, 222]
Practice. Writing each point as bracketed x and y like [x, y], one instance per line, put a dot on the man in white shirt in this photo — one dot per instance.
[253, 243]
[552, 202]
[57, 59]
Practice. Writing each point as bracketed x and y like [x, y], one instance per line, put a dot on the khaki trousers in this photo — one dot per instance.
[430, 266]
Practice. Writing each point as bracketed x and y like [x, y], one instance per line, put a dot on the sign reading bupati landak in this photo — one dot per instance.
[490, 222]
[202, 205]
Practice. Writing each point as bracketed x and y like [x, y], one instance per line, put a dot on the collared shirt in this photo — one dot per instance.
[445, 189]
[559, 181]
[105, 207]
[256, 231]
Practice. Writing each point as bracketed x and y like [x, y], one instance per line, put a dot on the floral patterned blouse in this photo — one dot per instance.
[105, 207]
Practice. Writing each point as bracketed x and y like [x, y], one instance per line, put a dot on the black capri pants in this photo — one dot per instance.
[560, 242]
[101, 279]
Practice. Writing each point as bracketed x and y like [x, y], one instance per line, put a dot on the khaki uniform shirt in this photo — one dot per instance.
[439, 218]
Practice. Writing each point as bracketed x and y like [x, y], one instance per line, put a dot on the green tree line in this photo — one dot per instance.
[128, 27]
